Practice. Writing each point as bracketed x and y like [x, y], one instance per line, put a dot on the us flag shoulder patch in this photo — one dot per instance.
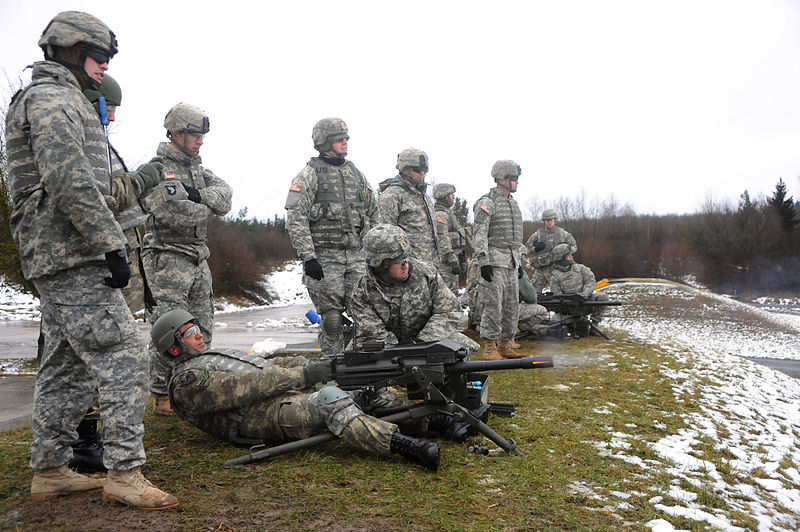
[296, 187]
[441, 220]
[485, 208]
[169, 174]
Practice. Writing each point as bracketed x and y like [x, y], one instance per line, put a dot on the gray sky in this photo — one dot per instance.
[661, 103]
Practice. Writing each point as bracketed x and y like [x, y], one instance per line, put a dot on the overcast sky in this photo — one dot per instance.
[661, 103]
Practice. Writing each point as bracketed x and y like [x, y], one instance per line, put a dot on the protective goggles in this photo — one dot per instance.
[191, 332]
[101, 56]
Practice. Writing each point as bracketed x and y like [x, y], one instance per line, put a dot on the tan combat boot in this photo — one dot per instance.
[162, 406]
[506, 351]
[514, 344]
[131, 488]
[61, 480]
[490, 351]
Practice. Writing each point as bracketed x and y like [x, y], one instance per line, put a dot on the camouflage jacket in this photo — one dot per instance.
[329, 207]
[125, 192]
[213, 389]
[452, 237]
[402, 204]
[176, 223]
[421, 307]
[551, 239]
[58, 176]
[576, 279]
[498, 231]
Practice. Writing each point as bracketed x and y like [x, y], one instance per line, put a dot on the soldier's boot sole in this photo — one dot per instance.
[109, 498]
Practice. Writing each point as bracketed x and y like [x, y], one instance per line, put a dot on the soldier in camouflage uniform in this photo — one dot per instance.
[245, 398]
[452, 237]
[125, 189]
[498, 252]
[402, 299]
[175, 252]
[330, 206]
[403, 202]
[532, 316]
[125, 194]
[569, 277]
[541, 244]
[69, 241]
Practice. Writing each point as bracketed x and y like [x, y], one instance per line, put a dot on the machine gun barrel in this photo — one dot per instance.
[491, 365]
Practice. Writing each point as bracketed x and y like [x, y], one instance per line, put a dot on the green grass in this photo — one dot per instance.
[333, 487]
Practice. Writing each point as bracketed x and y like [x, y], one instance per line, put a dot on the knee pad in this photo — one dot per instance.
[333, 408]
[332, 323]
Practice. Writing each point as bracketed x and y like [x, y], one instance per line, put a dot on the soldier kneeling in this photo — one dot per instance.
[243, 398]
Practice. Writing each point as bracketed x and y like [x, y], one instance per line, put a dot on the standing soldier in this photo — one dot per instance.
[541, 244]
[125, 189]
[403, 202]
[330, 206]
[452, 236]
[69, 242]
[125, 192]
[498, 252]
[175, 251]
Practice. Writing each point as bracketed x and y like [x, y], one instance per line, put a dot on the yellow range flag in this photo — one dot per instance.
[602, 283]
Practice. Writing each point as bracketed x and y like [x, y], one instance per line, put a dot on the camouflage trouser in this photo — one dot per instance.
[500, 301]
[176, 281]
[541, 277]
[91, 341]
[298, 415]
[134, 292]
[342, 269]
[530, 318]
[472, 292]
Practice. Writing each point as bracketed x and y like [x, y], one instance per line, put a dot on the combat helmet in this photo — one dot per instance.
[442, 190]
[187, 118]
[412, 157]
[506, 168]
[71, 28]
[164, 333]
[109, 89]
[385, 243]
[326, 132]
[549, 214]
[561, 250]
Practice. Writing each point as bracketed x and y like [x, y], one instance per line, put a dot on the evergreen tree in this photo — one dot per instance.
[745, 205]
[783, 206]
[461, 210]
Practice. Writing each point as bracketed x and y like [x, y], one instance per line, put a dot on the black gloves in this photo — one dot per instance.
[318, 370]
[313, 269]
[118, 266]
[149, 175]
[486, 273]
[539, 246]
[194, 194]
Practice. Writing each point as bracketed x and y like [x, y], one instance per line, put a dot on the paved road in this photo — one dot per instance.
[18, 339]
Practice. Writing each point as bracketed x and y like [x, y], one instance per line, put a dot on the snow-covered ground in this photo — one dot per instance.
[751, 411]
